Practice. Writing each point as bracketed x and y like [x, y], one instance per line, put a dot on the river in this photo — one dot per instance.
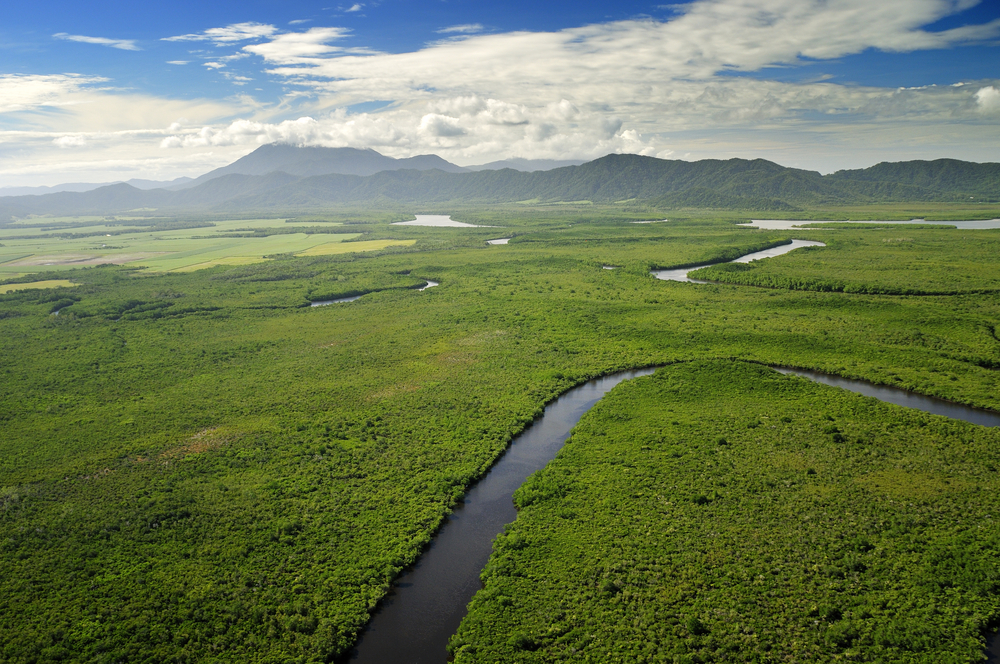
[417, 618]
[792, 224]
[425, 606]
[681, 273]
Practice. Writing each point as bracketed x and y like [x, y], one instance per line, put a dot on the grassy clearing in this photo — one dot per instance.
[332, 248]
[160, 245]
[51, 283]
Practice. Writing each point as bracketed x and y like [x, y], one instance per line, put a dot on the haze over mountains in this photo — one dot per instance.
[286, 178]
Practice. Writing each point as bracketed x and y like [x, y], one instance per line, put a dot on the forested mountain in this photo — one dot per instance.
[729, 184]
[942, 175]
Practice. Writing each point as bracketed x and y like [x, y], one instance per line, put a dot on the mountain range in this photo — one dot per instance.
[283, 178]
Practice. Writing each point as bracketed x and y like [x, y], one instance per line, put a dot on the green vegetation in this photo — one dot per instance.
[197, 466]
[721, 512]
[901, 260]
[163, 245]
[50, 283]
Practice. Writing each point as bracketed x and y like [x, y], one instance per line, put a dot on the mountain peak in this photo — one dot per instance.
[315, 160]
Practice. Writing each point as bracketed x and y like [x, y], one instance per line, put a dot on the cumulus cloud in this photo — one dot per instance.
[123, 44]
[462, 128]
[988, 99]
[230, 34]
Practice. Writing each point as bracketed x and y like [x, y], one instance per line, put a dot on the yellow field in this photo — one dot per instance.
[347, 247]
[51, 283]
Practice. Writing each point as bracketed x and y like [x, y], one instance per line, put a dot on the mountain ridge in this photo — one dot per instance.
[728, 184]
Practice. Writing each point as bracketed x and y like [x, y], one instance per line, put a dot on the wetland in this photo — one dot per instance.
[199, 465]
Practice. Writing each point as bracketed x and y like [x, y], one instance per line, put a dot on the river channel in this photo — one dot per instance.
[427, 603]
[681, 273]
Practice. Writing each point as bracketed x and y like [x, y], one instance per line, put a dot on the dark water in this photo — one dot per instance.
[681, 274]
[427, 603]
[956, 411]
[416, 619]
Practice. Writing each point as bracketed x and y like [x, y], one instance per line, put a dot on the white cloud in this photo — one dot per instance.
[123, 44]
[26, 92]
[355, 8]
[630, 86]
[178, 62]
[70, 141]
[624, 61]
[300, 21]
[988, 99]
[236, 32]
[465, 29]
[462, 129]
[299, 47]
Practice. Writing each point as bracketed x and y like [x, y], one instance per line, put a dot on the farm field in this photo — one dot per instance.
[69, 243]
[198, 466]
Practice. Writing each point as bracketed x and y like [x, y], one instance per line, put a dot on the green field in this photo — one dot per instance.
[69, 243]
[50, 283]
[199, 467]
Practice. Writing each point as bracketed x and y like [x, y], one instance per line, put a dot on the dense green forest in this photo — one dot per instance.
[900, 260]
[200, 467]
[722, 512]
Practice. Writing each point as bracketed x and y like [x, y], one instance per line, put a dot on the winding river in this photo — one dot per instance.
[427, 603]
[681, 273]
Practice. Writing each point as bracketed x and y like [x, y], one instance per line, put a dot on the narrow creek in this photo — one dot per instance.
[425, 606]
[415, 620]
[323, 303]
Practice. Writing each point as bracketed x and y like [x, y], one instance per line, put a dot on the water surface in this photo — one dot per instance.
[427, 603]
[437, 220]
[681, 273]
[791, 224]
[956, 411]
[323, 303]
[503, 240]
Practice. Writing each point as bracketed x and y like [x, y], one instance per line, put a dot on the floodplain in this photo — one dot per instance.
[200, 466]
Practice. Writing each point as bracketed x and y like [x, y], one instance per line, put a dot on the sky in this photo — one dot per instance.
[118, 90]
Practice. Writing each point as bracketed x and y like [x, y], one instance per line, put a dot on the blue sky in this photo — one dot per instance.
[156, 90]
